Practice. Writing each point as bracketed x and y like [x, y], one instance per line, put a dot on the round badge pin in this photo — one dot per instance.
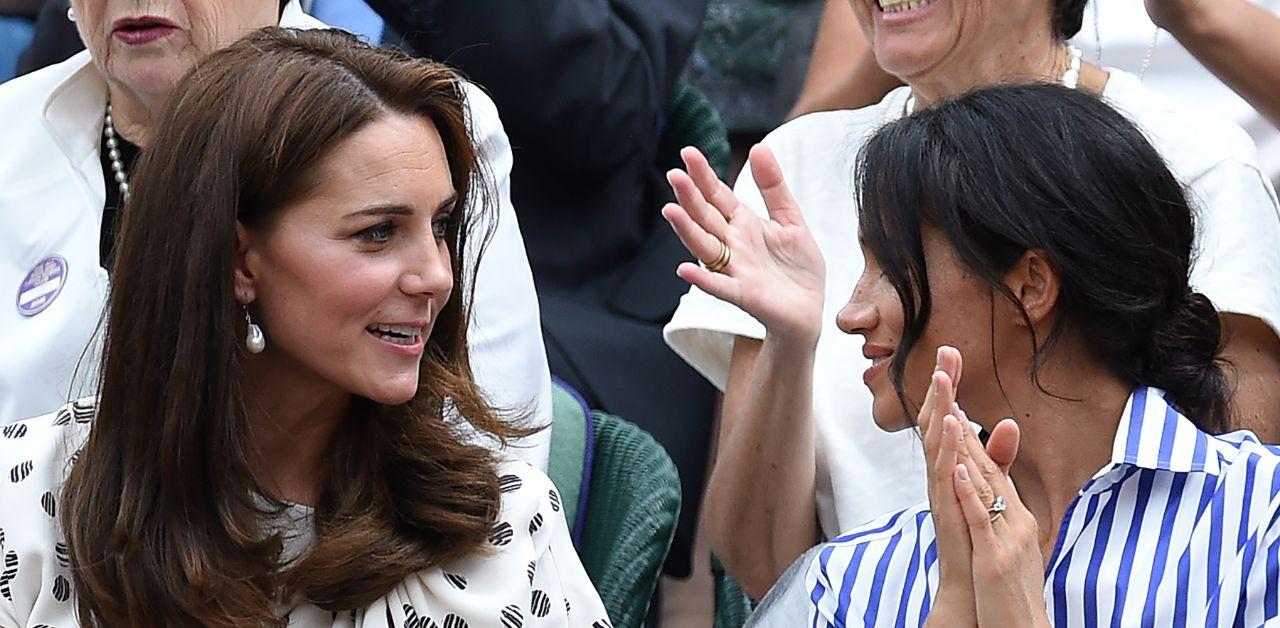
[42, 285]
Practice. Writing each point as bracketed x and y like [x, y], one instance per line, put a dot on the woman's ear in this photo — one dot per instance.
[1034, 282]
[244, 279]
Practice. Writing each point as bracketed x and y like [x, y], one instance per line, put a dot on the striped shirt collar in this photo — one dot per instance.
[1153, 435]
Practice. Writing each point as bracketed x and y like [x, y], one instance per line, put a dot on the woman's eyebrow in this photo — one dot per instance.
[382, 210]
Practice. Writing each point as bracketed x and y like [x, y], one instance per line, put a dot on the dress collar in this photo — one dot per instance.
[1153, 435]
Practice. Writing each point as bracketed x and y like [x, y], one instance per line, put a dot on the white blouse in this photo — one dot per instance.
[532, 578]
[863, 471]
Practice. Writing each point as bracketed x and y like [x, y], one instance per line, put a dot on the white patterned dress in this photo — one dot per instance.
[531, 579]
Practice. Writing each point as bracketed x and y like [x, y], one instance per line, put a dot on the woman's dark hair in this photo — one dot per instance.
[163, 517]
[1068, 15]
[1009, 169]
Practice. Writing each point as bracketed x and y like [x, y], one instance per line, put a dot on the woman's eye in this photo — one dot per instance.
[378, 234]
[440, 226]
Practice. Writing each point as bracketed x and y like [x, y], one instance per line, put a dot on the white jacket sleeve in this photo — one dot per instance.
[505, 334]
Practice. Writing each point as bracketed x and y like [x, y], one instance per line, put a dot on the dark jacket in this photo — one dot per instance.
[581, 86]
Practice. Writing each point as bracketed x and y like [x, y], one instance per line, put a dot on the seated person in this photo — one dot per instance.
[805, 466]
[1036, 231]
[76, 131]
[270, 444]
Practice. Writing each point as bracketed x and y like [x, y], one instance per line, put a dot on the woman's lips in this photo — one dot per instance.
[141, 31]
[878, 365]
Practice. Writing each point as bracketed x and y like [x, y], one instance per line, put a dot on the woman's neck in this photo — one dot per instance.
[1048, 60]
[134, 114]
[1066, 439]
[293, 423]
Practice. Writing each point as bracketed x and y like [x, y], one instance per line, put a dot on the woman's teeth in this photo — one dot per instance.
[397, 334]
[896, 6]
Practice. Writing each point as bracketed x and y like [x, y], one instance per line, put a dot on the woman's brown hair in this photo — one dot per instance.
[163, 517]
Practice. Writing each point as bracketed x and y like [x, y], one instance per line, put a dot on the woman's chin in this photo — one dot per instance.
[906, 57]
[157, 75]
[392, 393]
[891, 419]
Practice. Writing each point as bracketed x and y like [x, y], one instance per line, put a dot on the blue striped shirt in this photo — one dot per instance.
[1180, 529]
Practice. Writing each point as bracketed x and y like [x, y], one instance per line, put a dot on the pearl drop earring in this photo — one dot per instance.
[254, 341]
[71, 14]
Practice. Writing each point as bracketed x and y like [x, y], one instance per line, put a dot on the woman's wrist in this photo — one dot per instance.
[953, 607]
[797, 343]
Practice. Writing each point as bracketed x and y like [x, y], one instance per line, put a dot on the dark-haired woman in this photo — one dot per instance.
[807, 466]
[271, 445]
[1102, 496]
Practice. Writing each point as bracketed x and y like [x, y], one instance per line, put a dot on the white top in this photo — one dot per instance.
[864, 472]
[1179, 529]
[532, 577]
[51, 199]
[1175, 74]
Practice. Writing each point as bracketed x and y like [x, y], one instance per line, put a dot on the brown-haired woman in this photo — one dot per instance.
[271, 446]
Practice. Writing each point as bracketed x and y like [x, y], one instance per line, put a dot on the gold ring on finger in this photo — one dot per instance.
[721, 260]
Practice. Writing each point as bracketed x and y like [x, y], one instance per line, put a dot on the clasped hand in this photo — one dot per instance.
[990, 570]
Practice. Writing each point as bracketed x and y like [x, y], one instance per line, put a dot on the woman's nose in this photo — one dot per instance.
[859, 315]
[429, 271]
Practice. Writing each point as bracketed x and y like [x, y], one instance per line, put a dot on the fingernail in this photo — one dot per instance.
[963, 472]
[938, 363]
[946, 425]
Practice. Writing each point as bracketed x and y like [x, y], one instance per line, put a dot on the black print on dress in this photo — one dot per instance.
[533, 568]
[64, 557]
[1, 540]
[502, 534]
[555, 499]
[603, 623]
[412, 620]
[49, 504]
[457, 581]
[14, 430]
[509, 483]
[540, 605]
[82, 411]
[453, 621]
[63, 417]
[61, 589]
[7, 576]
[536, 523]
[568, 608]
[20, 472]
[512, 617]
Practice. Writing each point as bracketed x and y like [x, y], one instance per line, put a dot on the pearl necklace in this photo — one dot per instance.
[1070, 79]
[113, 153]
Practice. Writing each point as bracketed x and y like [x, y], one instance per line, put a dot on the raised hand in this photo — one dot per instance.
[775, 271]
[941, 427]
[1008, 571]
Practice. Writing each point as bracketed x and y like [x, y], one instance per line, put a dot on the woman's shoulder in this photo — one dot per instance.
[35, 456]
[1190, 141]
[908, 524]
[38, 452]
[875, 557]
[817, 136]
[528, 574]
[527, 493]
[865, 544]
